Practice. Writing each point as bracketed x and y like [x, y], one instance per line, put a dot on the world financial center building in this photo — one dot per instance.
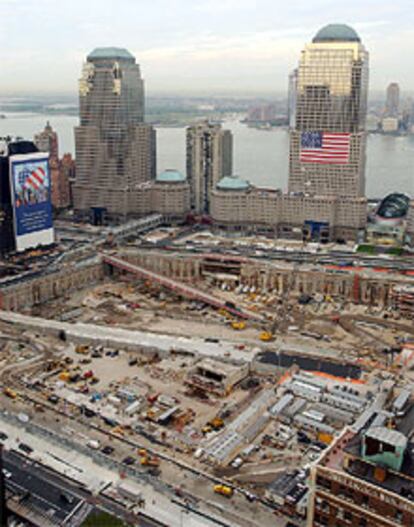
[328, 139]
[327, 110]
[115, 149]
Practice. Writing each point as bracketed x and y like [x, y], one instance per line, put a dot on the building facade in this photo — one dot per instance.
[47, 141]
[115, 149]
[7, 231]
[328, 141]
[67, 170]
[235, 204]
[362, 480]
[209, 159]
[292, 94]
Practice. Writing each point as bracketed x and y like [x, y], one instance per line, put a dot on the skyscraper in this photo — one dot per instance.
[328, 140]
[209, 159]
[115, 149]
[392, 105]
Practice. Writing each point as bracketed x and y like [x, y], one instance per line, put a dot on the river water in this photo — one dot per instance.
[260, 156]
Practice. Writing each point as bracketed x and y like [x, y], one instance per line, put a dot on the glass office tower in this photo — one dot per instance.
[330, 115]
[115, 149]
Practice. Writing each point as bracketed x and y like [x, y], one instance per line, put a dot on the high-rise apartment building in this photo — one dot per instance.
[392, 105]
[209, 159]
[328, 140]
[115, 149]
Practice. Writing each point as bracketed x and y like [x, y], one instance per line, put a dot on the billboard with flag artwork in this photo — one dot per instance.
[30, 187]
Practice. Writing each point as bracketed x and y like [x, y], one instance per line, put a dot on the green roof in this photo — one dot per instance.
[171, 176]
[110, 53]
[336, 33]
[233, 183]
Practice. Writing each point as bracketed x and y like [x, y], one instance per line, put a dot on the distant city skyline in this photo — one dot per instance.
[219, 47]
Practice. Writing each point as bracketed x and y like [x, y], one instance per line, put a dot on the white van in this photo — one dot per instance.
[94, 444]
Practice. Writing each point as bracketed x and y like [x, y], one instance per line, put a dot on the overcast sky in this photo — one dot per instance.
[194, 46]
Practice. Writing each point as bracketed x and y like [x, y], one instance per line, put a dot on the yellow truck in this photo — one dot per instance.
[224, 490]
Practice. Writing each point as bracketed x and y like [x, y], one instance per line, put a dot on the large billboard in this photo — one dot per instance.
[30, 187]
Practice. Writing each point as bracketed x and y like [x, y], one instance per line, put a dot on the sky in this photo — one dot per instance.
[194, 47]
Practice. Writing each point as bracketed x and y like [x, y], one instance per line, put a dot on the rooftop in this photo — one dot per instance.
[233, 183]
[171, 176]
[336, 33]
[392, 437]
[110, 53]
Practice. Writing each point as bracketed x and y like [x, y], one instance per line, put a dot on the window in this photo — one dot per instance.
[348, 516]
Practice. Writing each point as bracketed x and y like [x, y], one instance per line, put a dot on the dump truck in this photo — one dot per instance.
[224, 490]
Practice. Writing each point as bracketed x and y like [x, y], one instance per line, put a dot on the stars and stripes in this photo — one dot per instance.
[325, 148]
[36, 179]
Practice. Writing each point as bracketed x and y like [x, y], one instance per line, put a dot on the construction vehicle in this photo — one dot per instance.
[238, 325]
[206, 429]
[266, 336]
[148, 461]
[118, 430]
[8, 392]
[224, 490]
[216, 424]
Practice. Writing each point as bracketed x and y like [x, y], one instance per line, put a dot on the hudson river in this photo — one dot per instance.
[260, 156]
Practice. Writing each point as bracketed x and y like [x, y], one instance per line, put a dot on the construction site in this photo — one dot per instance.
[219, 375]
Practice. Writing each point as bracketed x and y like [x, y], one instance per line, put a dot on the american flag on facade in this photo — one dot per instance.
[325, 148]
[35, 179]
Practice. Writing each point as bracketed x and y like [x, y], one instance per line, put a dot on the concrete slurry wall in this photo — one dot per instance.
[184, 268]
[367, 288]
[352, 287]
[29, 292]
